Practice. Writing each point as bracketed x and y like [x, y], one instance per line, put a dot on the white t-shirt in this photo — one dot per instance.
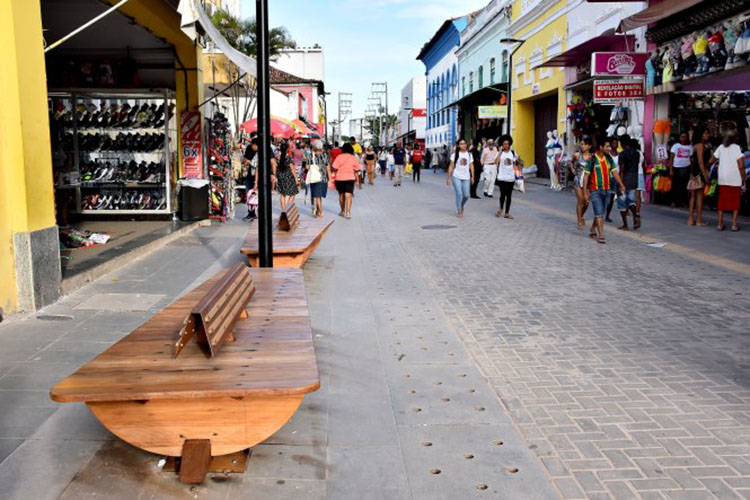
[729, 173]
[505, 171]
[682, 154]
[462, 166]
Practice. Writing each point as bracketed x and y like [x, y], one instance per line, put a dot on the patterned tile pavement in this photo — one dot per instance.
[626, 368]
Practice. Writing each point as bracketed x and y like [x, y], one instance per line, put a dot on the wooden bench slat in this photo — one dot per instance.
[273, 353]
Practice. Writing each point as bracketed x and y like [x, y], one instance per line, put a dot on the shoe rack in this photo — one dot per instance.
[120, 148]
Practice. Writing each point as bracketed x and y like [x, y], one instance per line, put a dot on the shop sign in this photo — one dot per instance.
[419, 113]
[492, 112]
[614, 91]
[618, 63]
[190, 142]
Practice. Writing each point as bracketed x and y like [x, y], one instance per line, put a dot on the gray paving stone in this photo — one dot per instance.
[374, 472]
[460, 461]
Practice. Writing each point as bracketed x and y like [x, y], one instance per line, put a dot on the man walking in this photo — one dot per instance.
[628, 169]
[399, 160]
[416, 163]
[428, 158]
[489, 167]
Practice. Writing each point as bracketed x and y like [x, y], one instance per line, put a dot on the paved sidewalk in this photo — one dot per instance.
[626, 367]
[402, 411]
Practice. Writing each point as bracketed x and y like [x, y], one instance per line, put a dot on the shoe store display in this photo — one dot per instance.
[119, 146]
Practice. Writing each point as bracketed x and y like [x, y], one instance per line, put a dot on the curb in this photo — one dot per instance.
[69, 285]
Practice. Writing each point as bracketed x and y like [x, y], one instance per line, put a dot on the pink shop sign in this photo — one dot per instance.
[618, 63]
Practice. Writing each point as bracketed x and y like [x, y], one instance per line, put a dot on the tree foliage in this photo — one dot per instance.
[240, 33]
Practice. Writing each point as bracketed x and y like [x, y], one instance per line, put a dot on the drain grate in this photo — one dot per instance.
[434, 227]
[54, 317]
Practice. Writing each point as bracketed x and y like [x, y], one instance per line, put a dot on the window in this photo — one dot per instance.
[492, 71]
[481, 77]
[471, 82]
[463, 86]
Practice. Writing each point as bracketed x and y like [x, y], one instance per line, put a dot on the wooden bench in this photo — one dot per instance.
[289, 220]
[192, 402]
[291, 247]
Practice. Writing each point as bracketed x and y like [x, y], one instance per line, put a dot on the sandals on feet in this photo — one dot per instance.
[735, 229]
[601, 240]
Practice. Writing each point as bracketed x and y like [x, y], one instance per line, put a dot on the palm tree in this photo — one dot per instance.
[240, 33]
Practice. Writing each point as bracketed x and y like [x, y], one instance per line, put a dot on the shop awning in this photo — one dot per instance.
[193, 15]
[485, 95]
[655, 13]
[605, 43]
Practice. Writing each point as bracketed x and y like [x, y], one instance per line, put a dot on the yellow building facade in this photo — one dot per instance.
[29, 246]
[538, 96]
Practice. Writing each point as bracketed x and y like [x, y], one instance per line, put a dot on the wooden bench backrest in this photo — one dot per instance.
[289, 220]
[214, 316]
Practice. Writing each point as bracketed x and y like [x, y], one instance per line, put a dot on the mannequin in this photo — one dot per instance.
[700, 47]
[688, 57]
[558, 156]
[550, 148]
[717, 50]
[662, 129]
[731, 35]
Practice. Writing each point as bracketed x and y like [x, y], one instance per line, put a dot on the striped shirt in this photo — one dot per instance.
[599, 170]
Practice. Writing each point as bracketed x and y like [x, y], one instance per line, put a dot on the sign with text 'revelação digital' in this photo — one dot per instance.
[490, 112]
[190, 144]
[614, 91]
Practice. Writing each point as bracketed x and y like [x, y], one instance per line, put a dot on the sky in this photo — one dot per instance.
[364, 41]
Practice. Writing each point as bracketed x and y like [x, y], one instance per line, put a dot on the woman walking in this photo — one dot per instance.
[318, 173]
[461, 175]
[731, 179]
[346, 167]
[506, 175]
[370, 158]
[580, 161]
[286, 178]
[703, 151]
[383, 161]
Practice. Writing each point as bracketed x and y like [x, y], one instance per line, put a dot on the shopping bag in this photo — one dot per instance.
[519, 185]
[409, 169]
[252, 199]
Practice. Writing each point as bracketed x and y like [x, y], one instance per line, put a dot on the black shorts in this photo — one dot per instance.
[345, 186]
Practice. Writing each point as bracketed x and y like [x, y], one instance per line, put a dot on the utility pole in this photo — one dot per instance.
[380, 89]
[345, 108]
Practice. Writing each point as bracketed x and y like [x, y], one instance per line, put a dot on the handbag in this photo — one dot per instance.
[695, 183]
[314, 174]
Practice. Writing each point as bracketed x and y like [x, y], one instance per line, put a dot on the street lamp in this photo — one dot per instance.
[510, 75]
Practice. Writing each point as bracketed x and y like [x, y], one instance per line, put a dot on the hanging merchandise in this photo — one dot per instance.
[220, 172]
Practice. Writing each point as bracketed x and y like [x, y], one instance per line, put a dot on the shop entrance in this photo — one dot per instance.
[545, 119]
[112, 113]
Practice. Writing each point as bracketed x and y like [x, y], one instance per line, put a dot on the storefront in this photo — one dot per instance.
[483, 114]
[98, 118]
[596, 72]
[538, 96]
[698, 75]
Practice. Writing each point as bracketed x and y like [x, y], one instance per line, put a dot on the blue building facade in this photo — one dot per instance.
[442, 74]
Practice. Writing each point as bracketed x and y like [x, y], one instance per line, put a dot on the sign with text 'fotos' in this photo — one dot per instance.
[616, 91]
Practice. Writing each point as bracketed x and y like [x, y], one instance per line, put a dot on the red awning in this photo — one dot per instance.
[655, 13]
[605, 43]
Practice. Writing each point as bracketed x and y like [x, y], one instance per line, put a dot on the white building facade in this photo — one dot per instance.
[412, 113]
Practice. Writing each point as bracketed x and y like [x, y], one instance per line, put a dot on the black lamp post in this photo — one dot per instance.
[265, 227]
[510, 75]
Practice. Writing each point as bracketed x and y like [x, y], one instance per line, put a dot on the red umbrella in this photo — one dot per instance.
[279, 127]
